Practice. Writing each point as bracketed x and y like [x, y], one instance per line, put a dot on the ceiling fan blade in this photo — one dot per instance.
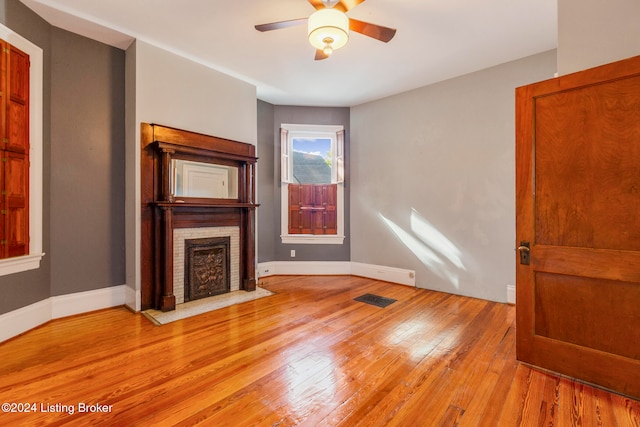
[341, 5]
[320, 55]
[318, 4]
[384, 34]
[282, 24]
[347, 5]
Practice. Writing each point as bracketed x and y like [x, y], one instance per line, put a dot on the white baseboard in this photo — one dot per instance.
[382, 272]
[266, 269]
[21, 320]
[132, 298]
[511, 294]
[18, 321]
[82, 302]
[378, 272]
[310, 268]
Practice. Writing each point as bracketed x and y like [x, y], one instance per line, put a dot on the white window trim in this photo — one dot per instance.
[324, 131]
[32, 260]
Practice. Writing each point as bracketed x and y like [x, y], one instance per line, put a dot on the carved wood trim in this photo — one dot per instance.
[161, 214]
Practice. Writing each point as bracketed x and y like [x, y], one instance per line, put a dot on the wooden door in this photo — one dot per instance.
[578, 209]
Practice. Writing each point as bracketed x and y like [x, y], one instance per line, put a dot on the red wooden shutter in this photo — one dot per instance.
[300, 209]
[17, 121]
[312, 209]
[294, 209]
[17, 203]
[14, 152]
[330, 213]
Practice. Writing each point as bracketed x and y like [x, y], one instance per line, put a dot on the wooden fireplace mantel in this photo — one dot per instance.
[163, 211]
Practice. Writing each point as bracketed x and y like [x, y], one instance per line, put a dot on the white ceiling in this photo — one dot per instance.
[436, 40]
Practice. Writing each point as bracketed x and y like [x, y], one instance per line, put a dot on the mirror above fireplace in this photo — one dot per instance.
[207, 180]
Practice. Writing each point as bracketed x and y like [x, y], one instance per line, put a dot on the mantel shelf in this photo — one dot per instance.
[205, 205]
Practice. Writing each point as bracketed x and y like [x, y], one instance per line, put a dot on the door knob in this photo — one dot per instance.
[524, 250]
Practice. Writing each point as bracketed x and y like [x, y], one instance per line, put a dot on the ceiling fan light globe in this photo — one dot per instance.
[328, 24]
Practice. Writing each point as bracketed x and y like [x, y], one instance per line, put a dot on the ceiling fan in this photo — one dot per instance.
[329, 26]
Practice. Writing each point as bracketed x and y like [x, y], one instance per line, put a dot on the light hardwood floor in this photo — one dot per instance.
[308, 355]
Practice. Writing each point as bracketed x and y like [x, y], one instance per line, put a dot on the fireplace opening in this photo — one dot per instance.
[207, 267]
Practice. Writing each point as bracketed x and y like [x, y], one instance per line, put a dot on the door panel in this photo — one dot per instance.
[556, 316]
[584, 166]
[577, 204]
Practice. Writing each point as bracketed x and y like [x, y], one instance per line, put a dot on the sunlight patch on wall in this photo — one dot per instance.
[420, 250]
[430, 246]
[434, 238]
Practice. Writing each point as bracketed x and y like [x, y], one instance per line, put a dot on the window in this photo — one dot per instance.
[312, 171]
[21, 154]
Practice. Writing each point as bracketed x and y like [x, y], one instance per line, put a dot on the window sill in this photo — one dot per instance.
[312, 240]
[20, 263]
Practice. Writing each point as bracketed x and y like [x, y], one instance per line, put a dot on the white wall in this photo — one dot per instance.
[170, 90]
[177, 92]
[433, 180]
[596, 32]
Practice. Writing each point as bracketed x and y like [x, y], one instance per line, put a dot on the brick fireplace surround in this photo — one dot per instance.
[182, 234]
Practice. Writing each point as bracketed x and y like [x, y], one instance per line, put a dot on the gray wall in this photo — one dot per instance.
[83, 165]
[596, 32]
[269, 120]
[87, 164]
[267, 190]
[22, 289]
[433, 180]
